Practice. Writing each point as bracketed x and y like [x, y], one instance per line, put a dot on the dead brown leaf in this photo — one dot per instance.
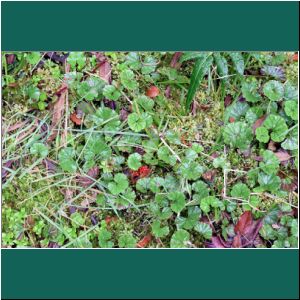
[58, 111]
[258, 123]
[282, 155]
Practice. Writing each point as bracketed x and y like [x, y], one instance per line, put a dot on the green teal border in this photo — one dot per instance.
[161, 26]
[150, 274]
[123, 26]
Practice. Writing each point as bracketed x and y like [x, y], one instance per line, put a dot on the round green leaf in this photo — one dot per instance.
[180, 239]
[274, 90]
[39, 149]
[134, 161]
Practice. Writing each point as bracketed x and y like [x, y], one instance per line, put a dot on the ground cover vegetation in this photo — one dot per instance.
[150, 149]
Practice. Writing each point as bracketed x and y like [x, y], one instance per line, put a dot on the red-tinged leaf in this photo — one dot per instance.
[209, 175]
[237, 241]
[227, 100]
[62, 89]
[4, 171]
[134, 176]
[231, 119]
[110, 219]
[123, 114]
[216, 242]
[272, 146]
[152, 92]
[16, 126]
[56, 58]
[251, 232]
[75, 119]
[295, 57]
[53, 245]
[24, 134]
[282, 155]
[144, 241]
[50, 165]
[85, 181]
[168, 91]
[215, 155]
[183, 140]
[105, 71]
[103, 66]
[259, 122]
[10, 59]
[243, 223]
[204, 107]
[258, 158]
[99, 56]
[293, 185]
[174, 62]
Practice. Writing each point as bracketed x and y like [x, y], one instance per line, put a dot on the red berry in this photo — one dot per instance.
[152, 92]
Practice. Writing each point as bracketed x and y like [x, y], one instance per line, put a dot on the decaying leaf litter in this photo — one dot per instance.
[150, 149]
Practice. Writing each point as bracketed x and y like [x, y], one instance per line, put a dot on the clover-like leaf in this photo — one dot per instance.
[119, 185]
[143, 184]
[269, 182]
[254, 113]
[270, 163]
[278, 127]
[165, 155]
[97, 147]
[128, 79]
[104, 236]
[156, 183]
[291, 142]
[76, 58]
[291, 109]
[134, 161]
[91, 88]
[208, 202]
[274, 90]
[173, 137]
[249, 90]
[221, 162]
[127, 240]
[111, 92]
[190, 221]
[201, 190]
[144, 102]
[180, 239]
[133, 60]
[238, 135]
[204, 229]
[138, 122]
[240, 190]
[33, 57]
[106, 118]
[39, 149]
[77, 220]
[190, 170]
[66, 160]
[236, 110]
[33, 92]
[290, 92]
[177, 201]
[149, 65]
[159, 231]
[262, 134]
